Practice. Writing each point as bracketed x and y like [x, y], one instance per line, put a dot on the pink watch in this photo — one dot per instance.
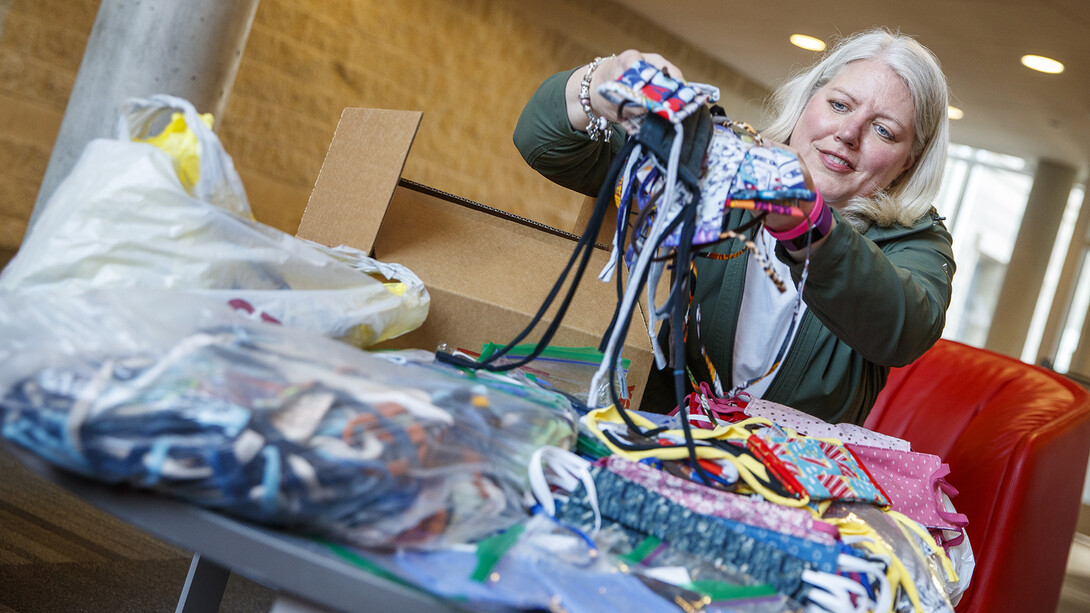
[812, 229]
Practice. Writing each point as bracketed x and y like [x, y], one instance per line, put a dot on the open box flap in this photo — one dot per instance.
[358, 176]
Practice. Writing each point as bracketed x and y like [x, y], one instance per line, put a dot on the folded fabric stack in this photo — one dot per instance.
[841, 519]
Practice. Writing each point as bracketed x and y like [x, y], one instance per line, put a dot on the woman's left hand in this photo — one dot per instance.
[780, 223]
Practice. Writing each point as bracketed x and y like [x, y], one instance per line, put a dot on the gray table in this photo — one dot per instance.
[306, 575]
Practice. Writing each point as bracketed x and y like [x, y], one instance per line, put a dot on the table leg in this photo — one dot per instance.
[204, 586]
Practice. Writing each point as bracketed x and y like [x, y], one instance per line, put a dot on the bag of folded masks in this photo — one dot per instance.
[179, 394]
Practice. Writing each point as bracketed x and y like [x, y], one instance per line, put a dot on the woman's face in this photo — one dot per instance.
[855, 134]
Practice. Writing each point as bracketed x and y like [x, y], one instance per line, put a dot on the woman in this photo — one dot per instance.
[868, 122]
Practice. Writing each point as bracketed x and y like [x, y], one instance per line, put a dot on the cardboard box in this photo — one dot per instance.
[487, 271]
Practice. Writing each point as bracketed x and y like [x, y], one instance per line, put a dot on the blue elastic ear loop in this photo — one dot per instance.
[270, 479]
[157, 456]
[576, 531]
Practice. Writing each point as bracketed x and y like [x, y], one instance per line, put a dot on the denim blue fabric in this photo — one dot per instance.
[729, 544]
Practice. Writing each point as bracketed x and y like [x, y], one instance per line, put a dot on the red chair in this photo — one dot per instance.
[1016, 437]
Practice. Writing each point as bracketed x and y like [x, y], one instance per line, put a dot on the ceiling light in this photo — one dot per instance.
[1043, 64]
[807, 42]
[954, 112]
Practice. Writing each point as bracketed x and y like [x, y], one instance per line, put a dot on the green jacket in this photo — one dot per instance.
[874, 300]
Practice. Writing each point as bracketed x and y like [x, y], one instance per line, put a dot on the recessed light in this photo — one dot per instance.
[1042, 64]
[807, 42]
[954, 112]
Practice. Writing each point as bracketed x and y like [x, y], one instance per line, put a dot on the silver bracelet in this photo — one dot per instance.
[598, 126]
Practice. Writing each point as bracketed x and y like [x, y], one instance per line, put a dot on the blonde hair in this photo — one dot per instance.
[911, 195]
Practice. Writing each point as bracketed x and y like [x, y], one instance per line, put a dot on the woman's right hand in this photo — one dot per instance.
[609, 70]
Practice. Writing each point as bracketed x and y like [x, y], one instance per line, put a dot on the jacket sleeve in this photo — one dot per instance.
[550, 145]
[888, 304]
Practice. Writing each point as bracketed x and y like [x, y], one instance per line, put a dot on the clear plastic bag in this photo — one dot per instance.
[568, 370]
[180, 394]
[926, 578]
[542, 567]
[961, 556]
[123, 218]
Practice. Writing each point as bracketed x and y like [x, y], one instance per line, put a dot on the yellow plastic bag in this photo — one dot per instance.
[180, 143]
[201, 164]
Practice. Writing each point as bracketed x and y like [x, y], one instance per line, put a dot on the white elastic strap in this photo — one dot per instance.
[568, 470]
[84, 405]
[699, 420]
[615, 254]
[611, 264]
[884, 590]
[652, 316]
[665, 215]
[838, 590]
[658, 267]
[835, 593]
[631, 294]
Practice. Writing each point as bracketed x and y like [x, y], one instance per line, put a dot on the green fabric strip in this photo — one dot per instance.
[492, 549]
[589, 355]
[357, 560]
[719, 591]
[644, 549]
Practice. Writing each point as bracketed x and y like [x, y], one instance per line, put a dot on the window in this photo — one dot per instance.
[1044, 308]
[1072, 330]
[983, 197]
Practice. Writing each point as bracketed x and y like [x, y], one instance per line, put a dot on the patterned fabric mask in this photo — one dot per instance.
[809, 425]
[705, 500]
[915, 483]
[821, 469]
[642, 512]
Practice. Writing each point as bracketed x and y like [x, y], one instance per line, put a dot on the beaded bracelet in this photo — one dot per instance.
[819, 222]
[598, 125]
